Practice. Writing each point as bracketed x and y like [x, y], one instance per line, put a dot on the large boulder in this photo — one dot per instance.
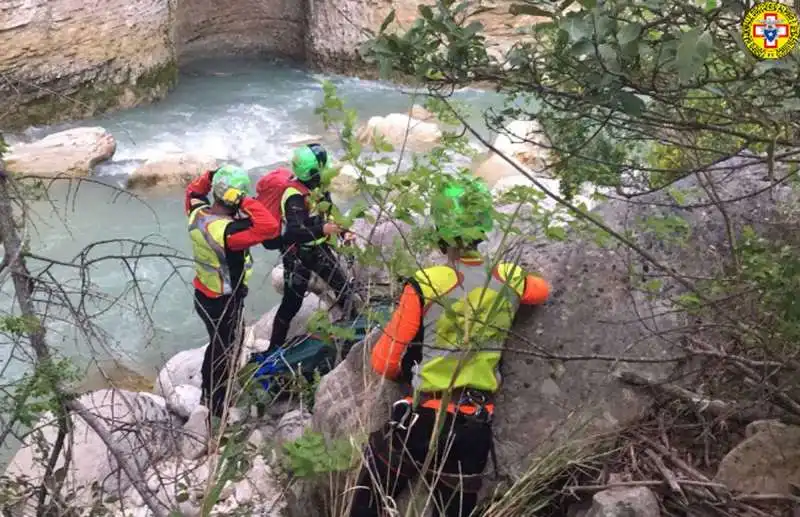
[524, 143]
[139, 426]
[73, 152]
[353, 399]
[181, 485]
[768, 462]
[262, 330]
[183, 369]
[173, 170]
[401, 130]
[556, 383]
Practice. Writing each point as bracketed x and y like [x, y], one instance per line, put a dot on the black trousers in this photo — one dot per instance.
[223, 319]
[297, 268]
[395, 457]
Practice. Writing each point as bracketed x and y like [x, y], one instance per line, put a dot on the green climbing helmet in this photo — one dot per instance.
[462, 210]
[230, 176]
[308, 160]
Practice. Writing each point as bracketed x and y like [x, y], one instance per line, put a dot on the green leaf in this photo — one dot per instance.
[653, 285]
[518, 9]
[389, 19]
[576, 28]
[603, 24]
[678, 195]
[472, 29]
[426, 12]
[629, 33]
[711, 5]
[588, 4]
[685, 58]
[704, 45]
[582, 48]
[556, 232]
[609, 56]
[631, 104]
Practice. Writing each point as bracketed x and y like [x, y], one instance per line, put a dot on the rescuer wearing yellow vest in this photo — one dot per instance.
[445, 341]
[222, 233]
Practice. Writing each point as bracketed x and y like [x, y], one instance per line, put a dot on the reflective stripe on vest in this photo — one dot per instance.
[289, 192]
[207, 232]
[467, 316]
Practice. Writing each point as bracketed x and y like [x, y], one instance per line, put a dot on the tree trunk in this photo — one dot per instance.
[14, 260]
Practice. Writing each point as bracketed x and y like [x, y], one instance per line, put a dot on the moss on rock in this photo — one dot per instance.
[93, 97]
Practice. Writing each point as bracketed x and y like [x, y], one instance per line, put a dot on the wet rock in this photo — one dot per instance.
[73, 152]
[420, 113]
[400, 130]
[767, 462]
[525, 144]
[174, 170]
[625, 502]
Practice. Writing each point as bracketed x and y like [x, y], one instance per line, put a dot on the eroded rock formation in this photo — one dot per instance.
[67, 59]
[208, 28]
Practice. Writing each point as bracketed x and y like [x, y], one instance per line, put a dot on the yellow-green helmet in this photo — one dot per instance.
[230, 177]
[462, 210]
[308, 161]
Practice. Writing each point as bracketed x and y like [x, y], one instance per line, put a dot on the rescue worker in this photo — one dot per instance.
[304, 238]
[221, 239]
[444, 343]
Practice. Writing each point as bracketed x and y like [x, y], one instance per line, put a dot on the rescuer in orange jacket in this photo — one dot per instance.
[444, 342]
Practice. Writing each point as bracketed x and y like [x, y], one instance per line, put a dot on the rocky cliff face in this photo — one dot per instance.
[65, 59]
[335, 28]
[212, 27]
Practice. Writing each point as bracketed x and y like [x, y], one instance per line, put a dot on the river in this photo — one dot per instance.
[246, 111]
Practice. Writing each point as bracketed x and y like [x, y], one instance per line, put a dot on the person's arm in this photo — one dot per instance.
[260, 226]
[532, 289]
[197, 192]
[300, 227]
[387, 355]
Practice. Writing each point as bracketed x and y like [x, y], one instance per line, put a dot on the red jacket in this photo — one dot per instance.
[241, 234]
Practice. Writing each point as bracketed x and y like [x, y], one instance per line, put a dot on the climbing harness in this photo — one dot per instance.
[403, 422]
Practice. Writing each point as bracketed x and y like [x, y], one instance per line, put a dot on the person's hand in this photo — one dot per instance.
[331, 229]
[348, 237]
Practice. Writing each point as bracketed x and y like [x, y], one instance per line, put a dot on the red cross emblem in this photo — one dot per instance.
[769, 30]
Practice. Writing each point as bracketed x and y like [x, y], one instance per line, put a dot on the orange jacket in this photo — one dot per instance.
[406, 321]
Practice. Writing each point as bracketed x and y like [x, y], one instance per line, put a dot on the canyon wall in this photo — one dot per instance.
[336, 28]
[209, 28]
[71, 59]
[67, 59]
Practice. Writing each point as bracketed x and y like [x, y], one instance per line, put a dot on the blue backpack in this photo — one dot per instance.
[314, 354]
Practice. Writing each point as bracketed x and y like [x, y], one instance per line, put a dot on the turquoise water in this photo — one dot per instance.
[242, 111]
